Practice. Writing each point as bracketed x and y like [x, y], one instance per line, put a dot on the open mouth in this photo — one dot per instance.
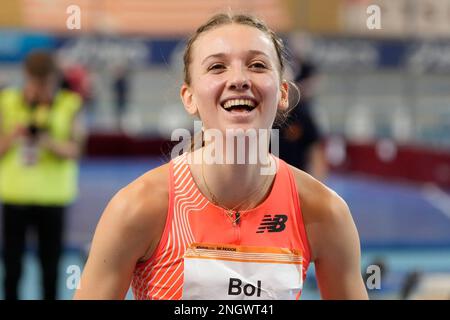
[239, 105]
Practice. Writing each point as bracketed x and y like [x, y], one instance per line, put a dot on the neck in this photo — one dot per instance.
[237, 186]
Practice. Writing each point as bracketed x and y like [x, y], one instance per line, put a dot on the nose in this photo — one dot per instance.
[239, 80]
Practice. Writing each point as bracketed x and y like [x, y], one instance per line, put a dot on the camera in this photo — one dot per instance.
[33, 131]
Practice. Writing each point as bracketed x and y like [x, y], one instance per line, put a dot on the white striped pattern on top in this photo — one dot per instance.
[162, 277]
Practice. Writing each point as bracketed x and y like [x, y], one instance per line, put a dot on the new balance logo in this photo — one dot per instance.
[275, 224]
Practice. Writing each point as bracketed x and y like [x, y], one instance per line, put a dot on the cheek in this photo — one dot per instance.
[270, 88]
[207, 89]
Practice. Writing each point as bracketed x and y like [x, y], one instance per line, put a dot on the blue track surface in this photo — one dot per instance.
[389, 214]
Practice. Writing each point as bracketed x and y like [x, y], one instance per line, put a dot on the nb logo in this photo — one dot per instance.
[275, 224]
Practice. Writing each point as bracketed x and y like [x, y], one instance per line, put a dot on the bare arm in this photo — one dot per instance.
[333, 240]
[335, 243]
[129, 230]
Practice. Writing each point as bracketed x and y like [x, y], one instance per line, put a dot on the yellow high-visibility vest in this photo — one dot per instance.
[50, 180]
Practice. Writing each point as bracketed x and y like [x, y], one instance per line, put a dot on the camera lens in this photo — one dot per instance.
[33, 130]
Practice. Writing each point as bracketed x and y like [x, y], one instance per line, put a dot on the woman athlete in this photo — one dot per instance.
[193, 229]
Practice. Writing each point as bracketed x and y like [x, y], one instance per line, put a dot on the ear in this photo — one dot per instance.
[188, 99]
[283, 104]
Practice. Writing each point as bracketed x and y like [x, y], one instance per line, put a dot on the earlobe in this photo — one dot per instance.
[188, 99]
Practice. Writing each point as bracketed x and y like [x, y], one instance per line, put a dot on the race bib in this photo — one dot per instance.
[228, 272]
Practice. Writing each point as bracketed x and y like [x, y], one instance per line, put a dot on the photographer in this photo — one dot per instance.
[40, 141]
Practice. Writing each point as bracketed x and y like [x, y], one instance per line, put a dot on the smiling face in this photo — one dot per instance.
[235, 79]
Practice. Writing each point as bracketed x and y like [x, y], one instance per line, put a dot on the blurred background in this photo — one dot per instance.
[381, 102]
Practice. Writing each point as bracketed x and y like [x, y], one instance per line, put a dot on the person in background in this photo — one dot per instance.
[121, 85]
[41, 139]
[301, 142]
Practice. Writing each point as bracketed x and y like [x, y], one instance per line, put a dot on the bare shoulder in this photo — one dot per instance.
[140, 208]
[129, 228]
[149, 191]
[322, 208]
[318, 201]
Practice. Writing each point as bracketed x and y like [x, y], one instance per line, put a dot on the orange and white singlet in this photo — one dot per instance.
[202, 255]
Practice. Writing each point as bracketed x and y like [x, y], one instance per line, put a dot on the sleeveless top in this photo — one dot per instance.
[203, 255]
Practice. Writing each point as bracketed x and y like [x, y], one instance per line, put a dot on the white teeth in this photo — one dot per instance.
[239, 102]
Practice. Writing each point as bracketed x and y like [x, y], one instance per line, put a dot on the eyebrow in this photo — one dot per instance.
[221, 55]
